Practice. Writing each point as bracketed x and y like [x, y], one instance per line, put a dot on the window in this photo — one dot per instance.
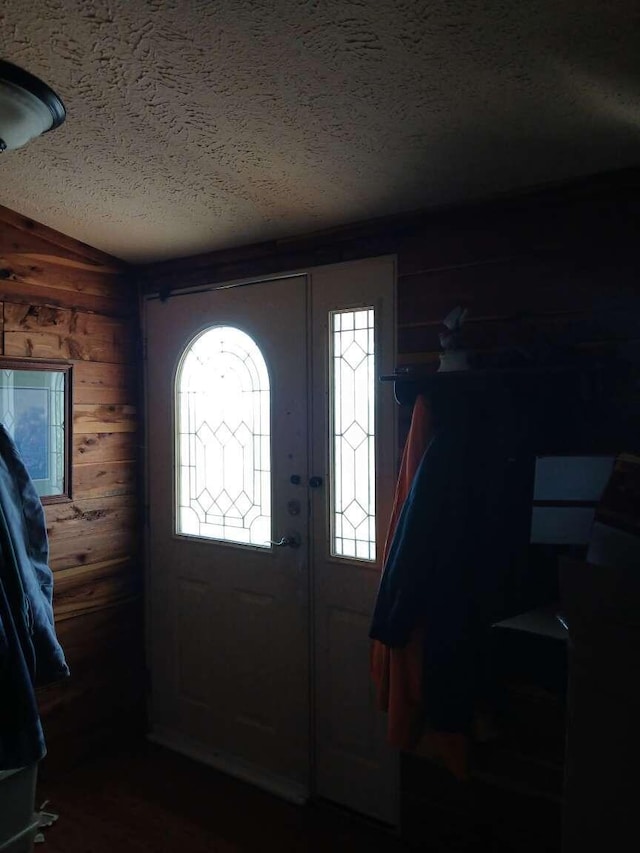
[223, 439]
[353, 502]
[34, 409]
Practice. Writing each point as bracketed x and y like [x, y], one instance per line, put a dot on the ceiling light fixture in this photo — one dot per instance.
[28, 107]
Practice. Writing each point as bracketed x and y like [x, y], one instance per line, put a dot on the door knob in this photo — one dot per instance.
[291, 541]
[315, 482]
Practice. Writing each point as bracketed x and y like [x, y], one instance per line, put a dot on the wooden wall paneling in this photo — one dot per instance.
[530, 307]
[88, 694]
[572, 282]
[104, 446]
[104, 479]
[530, 285]
[103, 699]
[102, 632]
[20, 233]
[526, 332]
[84, 589]
[64, 300]
[35, 331]
[77, 283]
[104, 418]
[39, 266]
[91, 530]
[100, 383]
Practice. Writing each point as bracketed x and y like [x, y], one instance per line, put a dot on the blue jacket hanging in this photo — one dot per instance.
[30, 654]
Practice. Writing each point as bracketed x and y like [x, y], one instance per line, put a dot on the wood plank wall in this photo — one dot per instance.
[63, 300]
[554, 267]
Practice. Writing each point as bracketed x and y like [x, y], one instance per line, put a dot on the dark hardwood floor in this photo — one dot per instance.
[149, 799]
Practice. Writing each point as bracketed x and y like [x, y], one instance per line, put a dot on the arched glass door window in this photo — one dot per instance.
[223, 467]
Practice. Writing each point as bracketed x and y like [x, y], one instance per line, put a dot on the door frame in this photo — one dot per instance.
[292, 794]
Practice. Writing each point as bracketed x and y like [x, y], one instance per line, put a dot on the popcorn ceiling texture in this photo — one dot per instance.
[198, 125]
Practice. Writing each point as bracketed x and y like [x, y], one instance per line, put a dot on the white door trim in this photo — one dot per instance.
[277, 785]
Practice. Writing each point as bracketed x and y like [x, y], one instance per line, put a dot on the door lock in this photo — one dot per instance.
[315, 482]
[293, 507]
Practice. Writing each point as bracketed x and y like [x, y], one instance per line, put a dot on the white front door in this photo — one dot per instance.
[258, 610]
[228, 610]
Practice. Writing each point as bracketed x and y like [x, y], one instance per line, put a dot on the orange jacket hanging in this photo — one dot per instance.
[397, 672]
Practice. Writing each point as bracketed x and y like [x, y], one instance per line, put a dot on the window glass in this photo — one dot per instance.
[353, 505]
[32, 409]
[223, 439]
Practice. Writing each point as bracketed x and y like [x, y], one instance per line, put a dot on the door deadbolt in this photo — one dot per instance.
[293, 507]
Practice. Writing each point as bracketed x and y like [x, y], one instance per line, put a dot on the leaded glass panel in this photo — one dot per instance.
[353, 504]
[223, 439]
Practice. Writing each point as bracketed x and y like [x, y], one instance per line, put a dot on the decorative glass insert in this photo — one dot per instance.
[34, 411]
[353, 487]
[223, 439]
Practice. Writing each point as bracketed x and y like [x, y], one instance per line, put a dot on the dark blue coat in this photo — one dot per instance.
[450, 566]
[30, 654]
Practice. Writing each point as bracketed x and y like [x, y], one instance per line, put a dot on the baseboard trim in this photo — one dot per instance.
[279, 786]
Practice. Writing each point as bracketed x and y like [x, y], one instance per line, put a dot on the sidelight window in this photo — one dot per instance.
[353, 492]
[223, 439]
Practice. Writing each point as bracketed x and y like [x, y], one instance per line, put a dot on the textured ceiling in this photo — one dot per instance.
[198, 125]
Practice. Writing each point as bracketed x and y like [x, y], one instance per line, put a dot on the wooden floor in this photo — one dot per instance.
[150, 799]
